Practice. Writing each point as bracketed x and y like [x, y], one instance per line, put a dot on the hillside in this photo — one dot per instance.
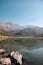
[28, 32]
[11, 29]
[37, 28]
[41, 35]
[3, 37]
[10, 26]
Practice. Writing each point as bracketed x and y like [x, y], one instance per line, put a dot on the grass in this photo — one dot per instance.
[3, 37]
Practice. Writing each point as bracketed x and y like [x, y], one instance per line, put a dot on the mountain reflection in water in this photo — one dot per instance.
[34, 57]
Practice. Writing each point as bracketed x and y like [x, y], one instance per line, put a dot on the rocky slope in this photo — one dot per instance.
[15, 29]
[10, 26]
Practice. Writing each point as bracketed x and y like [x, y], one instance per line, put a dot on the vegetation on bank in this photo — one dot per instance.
[3, 36]
[41, 35]
[19, 33]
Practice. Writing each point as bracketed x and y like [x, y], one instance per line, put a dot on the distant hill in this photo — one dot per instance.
[10, 26]
[37, 28]
[41, 35]
[28, 32]
[11, 29]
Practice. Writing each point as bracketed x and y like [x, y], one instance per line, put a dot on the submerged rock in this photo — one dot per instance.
[2, 51]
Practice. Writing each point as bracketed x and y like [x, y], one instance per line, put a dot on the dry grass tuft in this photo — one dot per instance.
[3, 37]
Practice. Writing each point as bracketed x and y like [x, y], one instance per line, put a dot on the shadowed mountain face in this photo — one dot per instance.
[28, 31]
[20, 30]
[40, 35]
[31, 31]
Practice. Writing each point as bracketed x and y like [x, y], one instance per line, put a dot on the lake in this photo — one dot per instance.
[31, 49]
[34, 57]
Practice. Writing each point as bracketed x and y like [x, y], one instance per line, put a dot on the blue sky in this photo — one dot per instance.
[23, 12]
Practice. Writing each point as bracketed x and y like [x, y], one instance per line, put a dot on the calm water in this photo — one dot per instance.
[31, 49]
[34, 57]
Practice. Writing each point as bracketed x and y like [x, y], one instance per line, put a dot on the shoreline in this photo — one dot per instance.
[31, 37]
[19, 37]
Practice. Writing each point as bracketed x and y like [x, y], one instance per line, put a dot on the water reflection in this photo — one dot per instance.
[35, 57]
[30, 43]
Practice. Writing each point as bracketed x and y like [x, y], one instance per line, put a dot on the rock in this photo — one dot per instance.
[5, 61]
[14, 58]
[2, 51]
[16, 55]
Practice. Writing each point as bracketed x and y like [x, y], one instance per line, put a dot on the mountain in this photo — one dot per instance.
[15, 29]
[40, 35]
[10, 26]
[37, 28]
[30, 30]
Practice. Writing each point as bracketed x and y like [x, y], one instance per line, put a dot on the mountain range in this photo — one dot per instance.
[10, 26]
[15, 29]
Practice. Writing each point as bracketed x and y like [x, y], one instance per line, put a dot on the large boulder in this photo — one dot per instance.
[16, 55]
[5, 61]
